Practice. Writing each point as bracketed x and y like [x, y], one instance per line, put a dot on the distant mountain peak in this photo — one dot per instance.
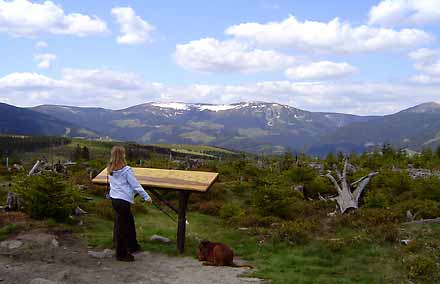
[180, 106]
[427, 107]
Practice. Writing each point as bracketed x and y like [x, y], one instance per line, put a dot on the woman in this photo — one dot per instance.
[123, 187]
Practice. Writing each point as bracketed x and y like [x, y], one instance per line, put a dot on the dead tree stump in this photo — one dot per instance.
[348, 198]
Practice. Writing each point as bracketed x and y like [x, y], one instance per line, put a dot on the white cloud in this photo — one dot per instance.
[427, 61]
[25, 18]
[41, 45]
[117, 90]
[211, 55]
[320, 70]
[332, 37]
[133, 29]
[44, 60]
[405, 12]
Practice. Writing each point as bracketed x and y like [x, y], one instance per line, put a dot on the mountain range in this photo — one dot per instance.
[249, 126]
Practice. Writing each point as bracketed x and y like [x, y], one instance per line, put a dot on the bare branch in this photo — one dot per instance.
[344, 171]
[338, 173]
[362, 185]
[335, 183]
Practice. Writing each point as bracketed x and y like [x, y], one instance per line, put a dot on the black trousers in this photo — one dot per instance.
[124, 230]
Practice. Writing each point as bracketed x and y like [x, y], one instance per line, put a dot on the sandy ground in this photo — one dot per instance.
[57, 257]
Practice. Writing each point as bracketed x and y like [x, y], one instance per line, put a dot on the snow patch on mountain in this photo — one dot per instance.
[176, 106]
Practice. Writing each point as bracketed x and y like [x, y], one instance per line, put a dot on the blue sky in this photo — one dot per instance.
[362, 57]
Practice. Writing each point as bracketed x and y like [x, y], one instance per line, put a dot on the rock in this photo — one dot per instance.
[79, 211]
[253, 280]
[62, 275]
[160, 239]
[41, 281]
[40, 239]
[14, 244]
[107, 253]
[55, 243]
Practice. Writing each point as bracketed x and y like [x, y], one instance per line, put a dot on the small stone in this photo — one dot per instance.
[160, 239]
[55, 243]
[14, 244]
[41, 281]
[100, 254]
[253, 280]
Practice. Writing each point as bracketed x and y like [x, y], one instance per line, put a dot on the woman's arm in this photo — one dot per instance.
[135, 185]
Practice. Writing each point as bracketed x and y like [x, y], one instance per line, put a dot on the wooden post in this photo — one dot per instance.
[181, 229]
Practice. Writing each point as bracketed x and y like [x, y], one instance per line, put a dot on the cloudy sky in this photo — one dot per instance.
[361, 57]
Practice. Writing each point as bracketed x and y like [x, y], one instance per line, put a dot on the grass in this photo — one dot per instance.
[6, 230]
[281, 262]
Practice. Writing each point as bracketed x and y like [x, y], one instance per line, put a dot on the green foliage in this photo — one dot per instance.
[428, 188]
[231, 210]
[80, 153]
[420, 208]
[6, 230]
[103, 208]
[422, 268]
[46, 196]
[300, 174]
[297, 232]
[272, 201]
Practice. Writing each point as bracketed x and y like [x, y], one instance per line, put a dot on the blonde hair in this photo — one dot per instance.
[117, 159]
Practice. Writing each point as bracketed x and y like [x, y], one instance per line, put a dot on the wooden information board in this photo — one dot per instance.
[183, 182]
[168, 179]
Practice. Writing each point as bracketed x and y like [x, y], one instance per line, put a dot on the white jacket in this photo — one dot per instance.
[124, 185]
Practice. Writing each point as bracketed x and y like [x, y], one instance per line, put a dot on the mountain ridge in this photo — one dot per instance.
[255, 126]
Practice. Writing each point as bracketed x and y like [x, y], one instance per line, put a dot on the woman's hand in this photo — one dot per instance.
[149, 200]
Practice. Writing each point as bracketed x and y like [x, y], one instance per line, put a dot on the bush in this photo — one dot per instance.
[104, 209]
[139, 208]
[422, 268]
[231, 210]
[372, 217]
[210, 207]
[384, 233]
[296, 232]
[46, 196]
[251, 219]
[6, 230]
[421, 208]
[299, 208]
[272, 201]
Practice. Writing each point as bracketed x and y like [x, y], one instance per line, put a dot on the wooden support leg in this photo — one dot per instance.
[181, 229]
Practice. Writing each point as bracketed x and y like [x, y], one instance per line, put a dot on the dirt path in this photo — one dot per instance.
[59, 258]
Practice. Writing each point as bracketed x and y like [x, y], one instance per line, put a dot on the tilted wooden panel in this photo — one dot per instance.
[168, 179]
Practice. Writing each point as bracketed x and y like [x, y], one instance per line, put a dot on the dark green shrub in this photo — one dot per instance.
[296, 232]
[272, 201]
[210, 207]
[231, 210]
[384, 233]
[372, 217]
[300, 208]
[255, 220]
[139, 208]
[421, 208]
[428, 188]
[422, 268]
[104, 209]
[334, 245]
[46, 196]
[6, 230]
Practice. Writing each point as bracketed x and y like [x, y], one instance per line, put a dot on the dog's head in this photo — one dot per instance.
[202, 252]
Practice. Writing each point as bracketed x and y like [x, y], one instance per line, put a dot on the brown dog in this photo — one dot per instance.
[216, 254]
